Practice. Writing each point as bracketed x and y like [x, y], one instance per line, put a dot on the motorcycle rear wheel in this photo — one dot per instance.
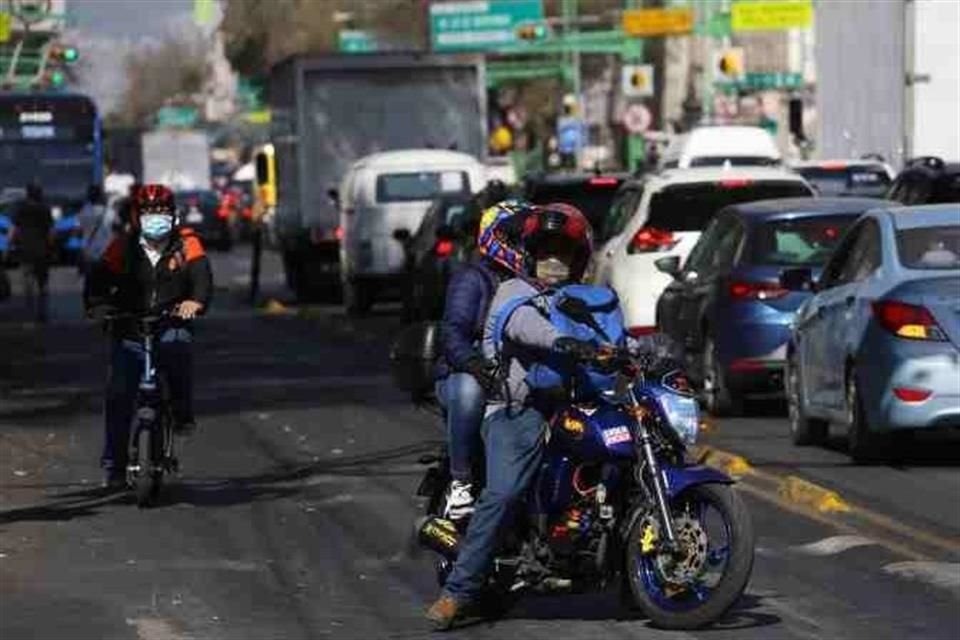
[703, 609]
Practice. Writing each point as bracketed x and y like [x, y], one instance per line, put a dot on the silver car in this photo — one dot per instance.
[877, 349]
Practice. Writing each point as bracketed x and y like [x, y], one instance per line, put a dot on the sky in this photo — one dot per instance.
[106, 30]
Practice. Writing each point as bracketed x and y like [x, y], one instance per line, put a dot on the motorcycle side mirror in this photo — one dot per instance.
[401, 235]
[669, 265]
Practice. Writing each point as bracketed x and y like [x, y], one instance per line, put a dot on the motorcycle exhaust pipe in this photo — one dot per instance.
[439, 535]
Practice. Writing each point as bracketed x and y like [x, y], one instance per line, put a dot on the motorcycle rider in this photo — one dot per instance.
[464, 377]
[555, 244]
[156, 266]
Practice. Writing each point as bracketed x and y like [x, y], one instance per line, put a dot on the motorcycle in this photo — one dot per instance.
[616, 501]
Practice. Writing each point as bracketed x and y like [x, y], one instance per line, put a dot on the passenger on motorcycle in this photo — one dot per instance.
[555, 242]
[155, 267]
[464, 377]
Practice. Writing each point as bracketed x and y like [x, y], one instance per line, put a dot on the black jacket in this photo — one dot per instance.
[125, 279]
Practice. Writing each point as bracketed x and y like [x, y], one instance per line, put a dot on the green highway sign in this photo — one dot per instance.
[354, 41]
[479, 25]
[177, 116]
[759, 81]
[718, 26]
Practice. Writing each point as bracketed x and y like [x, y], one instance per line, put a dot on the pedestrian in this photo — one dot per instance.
[93, 223]
[32, 235]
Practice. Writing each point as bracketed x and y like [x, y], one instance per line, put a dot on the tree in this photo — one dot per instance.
[171, 71]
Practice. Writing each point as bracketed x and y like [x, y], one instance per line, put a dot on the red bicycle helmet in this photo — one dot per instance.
[154, 198]
[559, 227]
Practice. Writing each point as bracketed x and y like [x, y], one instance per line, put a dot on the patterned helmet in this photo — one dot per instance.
[500, 242]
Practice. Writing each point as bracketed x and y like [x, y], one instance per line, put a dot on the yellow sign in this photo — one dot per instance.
[5, 26]
[778, 15]
[658, 22]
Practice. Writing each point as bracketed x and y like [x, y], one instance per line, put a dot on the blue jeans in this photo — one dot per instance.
[463, 398]
[174, 360]
[514, 447]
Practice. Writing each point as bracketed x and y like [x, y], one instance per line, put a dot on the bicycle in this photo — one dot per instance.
[151, 444]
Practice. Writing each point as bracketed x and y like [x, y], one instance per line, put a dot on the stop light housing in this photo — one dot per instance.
[730, 66]
[64, 54]
[531, 32]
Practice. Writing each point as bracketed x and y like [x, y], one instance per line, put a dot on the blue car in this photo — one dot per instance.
[726, 306]
[877, 349]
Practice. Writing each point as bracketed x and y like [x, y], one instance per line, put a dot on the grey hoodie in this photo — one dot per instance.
[528, 328]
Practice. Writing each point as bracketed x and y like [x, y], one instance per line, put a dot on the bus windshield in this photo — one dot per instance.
[51, 140]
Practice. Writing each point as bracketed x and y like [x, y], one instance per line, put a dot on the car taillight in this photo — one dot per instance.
[745, 290]
[443, 248]
[907, 320]
[735, 183]
[906, 394]
[603, 182]
[338, 233]
[651, 239]
[223, 211]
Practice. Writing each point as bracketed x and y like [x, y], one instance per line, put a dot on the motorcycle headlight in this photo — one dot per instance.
[682, 414]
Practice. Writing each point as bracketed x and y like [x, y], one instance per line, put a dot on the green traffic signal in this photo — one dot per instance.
[70, 55]
[57, 78]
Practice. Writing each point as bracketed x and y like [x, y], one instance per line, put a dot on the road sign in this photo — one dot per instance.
[637, 118]
[658, 22]
[636, 80]
[478, 25]
[177, 116]
[775, 15]
[760, 81]
[6, 23]
[717, 26]
[354, 41]
[570, 134]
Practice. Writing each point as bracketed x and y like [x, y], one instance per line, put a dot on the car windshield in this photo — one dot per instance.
[799, 242]
[733, 161]
[930, 247]
[423, 185]
[593, 197]
[861, 181]
[689, 207]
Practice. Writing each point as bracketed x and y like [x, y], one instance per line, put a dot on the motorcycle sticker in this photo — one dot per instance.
[616, 435]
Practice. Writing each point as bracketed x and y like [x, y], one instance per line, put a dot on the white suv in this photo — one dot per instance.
[664, 214]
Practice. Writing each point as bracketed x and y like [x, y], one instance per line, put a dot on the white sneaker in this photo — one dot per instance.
[459, 500]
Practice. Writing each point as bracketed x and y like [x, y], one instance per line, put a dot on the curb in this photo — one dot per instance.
[729, 463]
[802, 492]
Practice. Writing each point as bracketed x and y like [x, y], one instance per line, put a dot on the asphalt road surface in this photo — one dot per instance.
[292, 516]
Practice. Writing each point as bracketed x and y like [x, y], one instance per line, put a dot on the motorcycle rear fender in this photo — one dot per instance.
[679, 479]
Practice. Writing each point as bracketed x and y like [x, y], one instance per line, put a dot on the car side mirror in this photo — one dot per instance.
[669, 265]
[799, 279]
[402, 235]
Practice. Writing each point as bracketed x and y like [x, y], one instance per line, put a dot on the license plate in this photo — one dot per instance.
[194, 216]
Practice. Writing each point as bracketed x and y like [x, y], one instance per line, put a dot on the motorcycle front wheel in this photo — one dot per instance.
[694, 586]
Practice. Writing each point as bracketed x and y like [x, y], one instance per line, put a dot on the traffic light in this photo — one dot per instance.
[532, 32]
[63, 54]
[730, 67]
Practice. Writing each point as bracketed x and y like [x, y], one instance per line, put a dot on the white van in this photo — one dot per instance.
[382, 194]
[716, 146]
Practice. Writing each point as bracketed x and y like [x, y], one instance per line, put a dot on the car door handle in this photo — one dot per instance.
[820, 312]
[850, 300]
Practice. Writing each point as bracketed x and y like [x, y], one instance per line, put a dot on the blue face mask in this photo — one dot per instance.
[156, 226]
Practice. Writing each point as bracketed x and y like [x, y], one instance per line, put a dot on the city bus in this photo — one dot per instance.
[54, 140]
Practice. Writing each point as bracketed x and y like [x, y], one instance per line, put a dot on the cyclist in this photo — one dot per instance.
[156, 266]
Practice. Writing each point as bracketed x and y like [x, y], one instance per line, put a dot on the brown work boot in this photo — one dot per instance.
[444, 612]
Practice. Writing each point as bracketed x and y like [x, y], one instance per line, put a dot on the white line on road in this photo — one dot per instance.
[833, 545]
[939, 574]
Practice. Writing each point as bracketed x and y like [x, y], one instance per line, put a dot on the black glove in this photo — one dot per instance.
[485, 373]
[580, 350]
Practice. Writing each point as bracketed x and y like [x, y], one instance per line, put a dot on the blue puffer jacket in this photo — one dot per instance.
[468, 299]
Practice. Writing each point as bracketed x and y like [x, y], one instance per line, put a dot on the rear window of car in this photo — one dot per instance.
[798, 242]
[947, 189]
[421, 185]
[860, 180]
[592, 196]
[733, 161]
[930, 247]
[689, 207]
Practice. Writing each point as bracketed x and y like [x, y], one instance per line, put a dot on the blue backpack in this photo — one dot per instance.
[599, 320]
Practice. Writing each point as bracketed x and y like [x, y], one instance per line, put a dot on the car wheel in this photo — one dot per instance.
[864, 446]
[717, 397]
[804, 430]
